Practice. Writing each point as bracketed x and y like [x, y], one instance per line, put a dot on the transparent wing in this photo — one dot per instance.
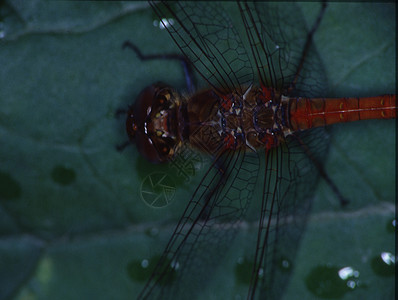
[205, 34]
[206, 229]
[277, 34]
[286, 60]
[289, 179]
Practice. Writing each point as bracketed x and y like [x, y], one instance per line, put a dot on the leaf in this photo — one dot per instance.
[72, 220]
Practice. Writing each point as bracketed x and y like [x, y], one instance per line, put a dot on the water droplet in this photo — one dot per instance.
[175, 265]
[144, 263]
[348, 272]
[136, 272]
[384, 264]
[351, 284]
[164, 23]
[140, 270]
[388, 258]
[331, 282]
[260, 273]
[284, 264]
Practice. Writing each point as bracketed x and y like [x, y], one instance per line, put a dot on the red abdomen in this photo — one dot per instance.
[307, 113]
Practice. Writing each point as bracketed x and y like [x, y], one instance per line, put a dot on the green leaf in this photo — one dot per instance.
[73, 222]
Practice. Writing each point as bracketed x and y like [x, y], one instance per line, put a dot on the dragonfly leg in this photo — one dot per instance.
[186, 63]
[121, 147]
[307, 46]
[120, 112]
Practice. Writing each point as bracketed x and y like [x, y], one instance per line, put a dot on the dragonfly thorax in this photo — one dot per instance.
[233, 121]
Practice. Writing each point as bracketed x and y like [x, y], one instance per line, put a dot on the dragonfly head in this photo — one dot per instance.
[151, 123]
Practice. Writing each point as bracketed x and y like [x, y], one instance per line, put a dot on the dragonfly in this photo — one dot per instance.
[261, 119]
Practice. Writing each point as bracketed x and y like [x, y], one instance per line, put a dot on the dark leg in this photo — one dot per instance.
[121, 147]
[120, 112]
[307, 46]
[186, 64]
